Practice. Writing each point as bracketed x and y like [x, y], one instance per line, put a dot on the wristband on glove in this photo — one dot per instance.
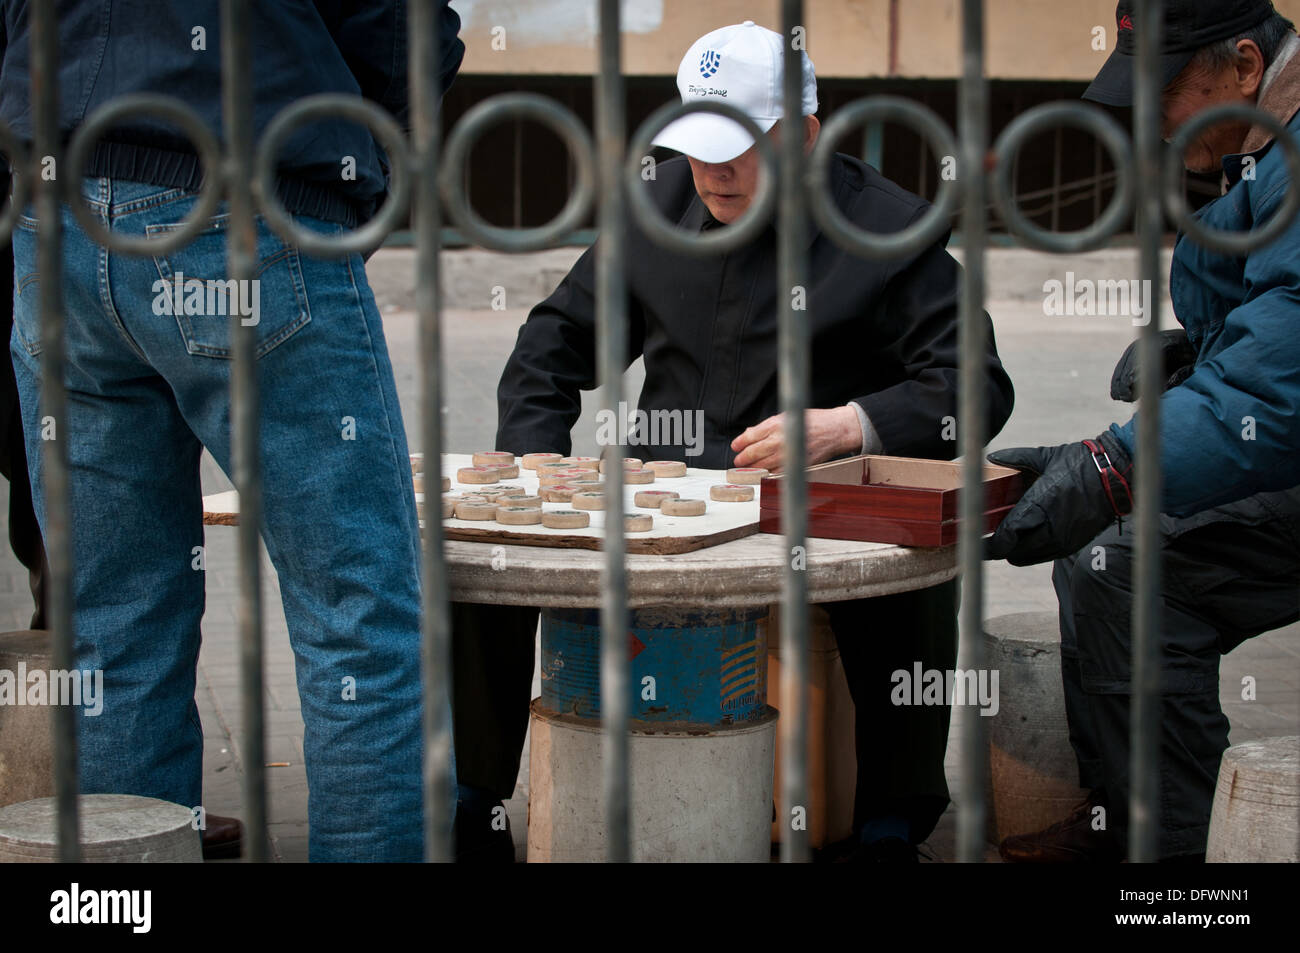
[1114, 479]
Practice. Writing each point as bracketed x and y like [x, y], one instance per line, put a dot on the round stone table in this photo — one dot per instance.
[743, 573]
[719, 770]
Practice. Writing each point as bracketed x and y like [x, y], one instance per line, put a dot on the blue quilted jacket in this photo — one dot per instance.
[1232, 428]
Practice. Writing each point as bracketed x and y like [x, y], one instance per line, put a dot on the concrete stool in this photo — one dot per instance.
[1033, 774]
[26, 739]
[1256, 813]
[115, 829]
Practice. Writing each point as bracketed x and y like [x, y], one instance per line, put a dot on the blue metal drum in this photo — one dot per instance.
[704, 668]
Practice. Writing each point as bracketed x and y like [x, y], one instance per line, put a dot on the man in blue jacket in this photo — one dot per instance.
[1230, 447]
[148, 384]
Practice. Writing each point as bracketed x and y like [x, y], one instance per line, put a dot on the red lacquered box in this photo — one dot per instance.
[899, 500]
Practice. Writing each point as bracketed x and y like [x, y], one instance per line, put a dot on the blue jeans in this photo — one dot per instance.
[146, 392]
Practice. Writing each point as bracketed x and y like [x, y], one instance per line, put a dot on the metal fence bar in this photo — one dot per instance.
[426, 103]
[53, 404]
[241, 256]
[792, 280]
[973, 110]
[1144, 754]
[611, 339]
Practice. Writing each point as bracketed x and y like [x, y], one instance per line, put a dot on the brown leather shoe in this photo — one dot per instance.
[223, 838]
[1071, 841]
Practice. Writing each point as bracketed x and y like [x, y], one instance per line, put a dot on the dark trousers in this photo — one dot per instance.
[24, 532]
[1230, 573]
[900, 749]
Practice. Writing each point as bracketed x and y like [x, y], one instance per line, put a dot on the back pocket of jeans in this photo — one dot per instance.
[195, 288]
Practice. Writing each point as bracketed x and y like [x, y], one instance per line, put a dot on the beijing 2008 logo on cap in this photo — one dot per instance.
[709, 63]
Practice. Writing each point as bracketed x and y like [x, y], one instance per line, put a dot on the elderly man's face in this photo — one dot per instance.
[1195, 90]
[727, 188]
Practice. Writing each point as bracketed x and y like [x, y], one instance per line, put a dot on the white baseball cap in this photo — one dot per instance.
[739, 65]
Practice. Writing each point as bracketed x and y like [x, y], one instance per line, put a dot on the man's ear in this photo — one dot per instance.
[811, 128]
[1249, 71]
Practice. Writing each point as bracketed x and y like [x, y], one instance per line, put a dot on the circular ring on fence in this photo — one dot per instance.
[154, 106]
[12, 147]
[333, 106]
[878, 245]
[471, 128]
[1052, 116]
[1218, 239]
[648, 217]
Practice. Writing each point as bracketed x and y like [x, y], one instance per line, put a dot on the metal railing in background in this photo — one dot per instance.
[793, 185]
[973, 130]
[793, 338]
[241, 257]
[1144, 754]
[611, 343]
[54, 401]
[435, 644]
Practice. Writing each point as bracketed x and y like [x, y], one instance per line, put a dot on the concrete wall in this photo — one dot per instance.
[913, 39]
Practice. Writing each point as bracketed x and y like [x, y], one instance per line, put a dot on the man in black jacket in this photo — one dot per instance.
[884, 380]
[148, 384]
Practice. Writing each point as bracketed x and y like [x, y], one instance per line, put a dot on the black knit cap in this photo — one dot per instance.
[1189, 26]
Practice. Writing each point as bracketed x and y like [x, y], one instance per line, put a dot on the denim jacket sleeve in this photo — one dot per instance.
[372, 38]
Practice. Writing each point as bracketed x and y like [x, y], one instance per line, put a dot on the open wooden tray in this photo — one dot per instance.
[881, 499]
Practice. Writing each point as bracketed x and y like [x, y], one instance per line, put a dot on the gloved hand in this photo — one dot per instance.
[1179, 362]
[1080, 489]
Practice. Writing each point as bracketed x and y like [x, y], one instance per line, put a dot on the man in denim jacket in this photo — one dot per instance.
[1230, 447]
[148, 385]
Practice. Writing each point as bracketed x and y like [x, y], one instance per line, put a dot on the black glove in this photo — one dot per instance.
[1179, 358]
[1080, 489]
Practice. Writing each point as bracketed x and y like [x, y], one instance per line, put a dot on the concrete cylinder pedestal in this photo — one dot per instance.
[702, 737]
[1256, 813]
[115, 829]
[703, 796]
[1033, 775]
[26, 738]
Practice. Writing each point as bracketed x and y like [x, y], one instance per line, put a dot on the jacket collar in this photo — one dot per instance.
[1279, 94]
[697, 217]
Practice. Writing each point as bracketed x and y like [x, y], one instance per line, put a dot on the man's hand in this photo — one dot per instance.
[830, 433]
[1076, 495]
[1179, 361]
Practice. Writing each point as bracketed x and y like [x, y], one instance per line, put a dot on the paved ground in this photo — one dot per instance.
[1061, 367]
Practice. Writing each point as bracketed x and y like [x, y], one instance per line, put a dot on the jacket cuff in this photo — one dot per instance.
[871, 442]
[1125, 435]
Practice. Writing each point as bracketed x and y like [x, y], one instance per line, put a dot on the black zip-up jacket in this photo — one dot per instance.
[884, 334]
[111, 47]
